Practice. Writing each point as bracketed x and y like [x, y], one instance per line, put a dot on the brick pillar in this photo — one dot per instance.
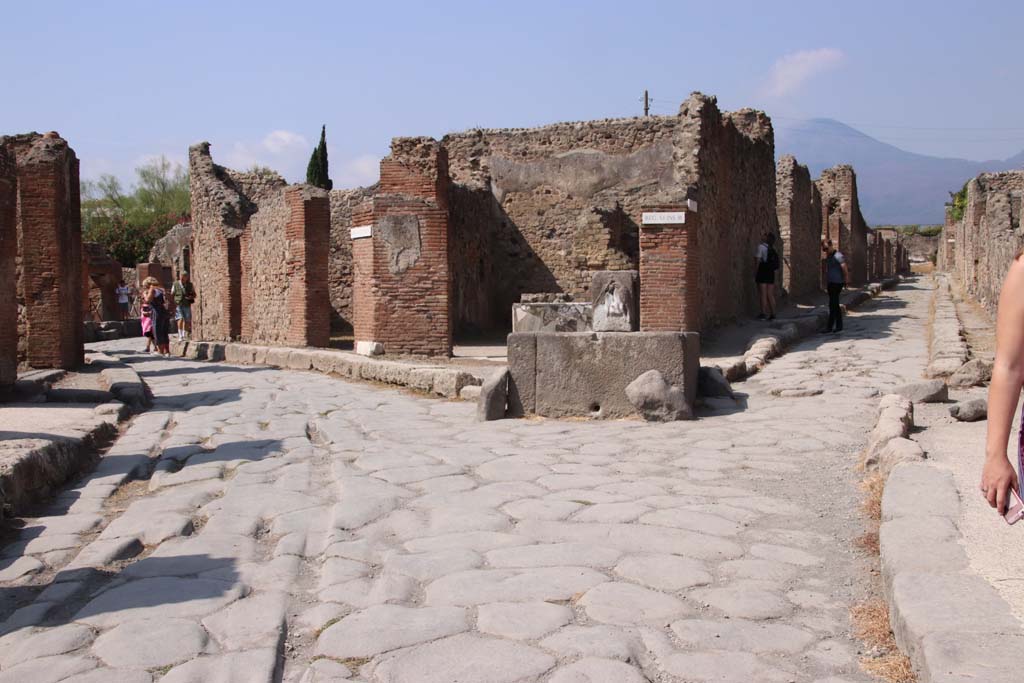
[309, 236]
[8, 279]
[669, 269]
[51, 254]
[401, 274]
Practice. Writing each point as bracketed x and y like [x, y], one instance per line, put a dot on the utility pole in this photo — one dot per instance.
[647, 104]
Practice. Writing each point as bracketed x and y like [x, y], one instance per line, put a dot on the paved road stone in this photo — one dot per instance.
[292, 516]
[522, 620]
[150, 644]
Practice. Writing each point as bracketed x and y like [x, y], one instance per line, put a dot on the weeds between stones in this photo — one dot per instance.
[870, 618]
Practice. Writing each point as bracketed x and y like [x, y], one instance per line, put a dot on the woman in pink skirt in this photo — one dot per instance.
[147, 325]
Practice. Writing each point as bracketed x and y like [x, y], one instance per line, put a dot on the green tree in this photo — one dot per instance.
[127, 224]
[958, 202]
[317, 171]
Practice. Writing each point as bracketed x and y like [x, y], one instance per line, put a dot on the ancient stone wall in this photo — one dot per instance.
[343, 202]
[842, 221]
[8, 277]
[400, 256]
[48, 265]
[100, 277]
[260, 256]
[922, 248]
[989, 235]
[946, 252]
[174, 249]
[543, 209]
[798, 204]
[726, 161]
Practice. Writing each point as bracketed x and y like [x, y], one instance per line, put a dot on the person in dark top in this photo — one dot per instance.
[836, 275]
[766, 263]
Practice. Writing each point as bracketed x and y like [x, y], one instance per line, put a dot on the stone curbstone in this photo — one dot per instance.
[949, 621]
[893, 423]
[493, 397]
[448, 382]
[122, 381]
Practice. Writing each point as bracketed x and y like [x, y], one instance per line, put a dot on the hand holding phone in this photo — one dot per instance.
[1015, 509]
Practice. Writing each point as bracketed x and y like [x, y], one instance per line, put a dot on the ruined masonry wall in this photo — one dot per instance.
[800, 220]
[727, 163]
[49, 261]
[842, 221]
[989, 235]
[100, 275]
[260, 256]
[543, 209]
[402, 283]
[8, 278]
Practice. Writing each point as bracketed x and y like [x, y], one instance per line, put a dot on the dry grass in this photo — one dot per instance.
[870, 618]
[871, 623]
[868, 542]
[894, 668]
[872, 486]
[871, 626]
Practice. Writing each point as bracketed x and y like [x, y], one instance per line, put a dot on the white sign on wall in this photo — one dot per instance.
[663, 217]
[361, 231]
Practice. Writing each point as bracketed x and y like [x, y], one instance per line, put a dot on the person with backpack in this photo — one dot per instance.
[766, 263]
[837, 274]
[183, 293]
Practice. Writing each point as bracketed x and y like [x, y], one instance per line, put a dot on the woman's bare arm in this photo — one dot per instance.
[1004, 391]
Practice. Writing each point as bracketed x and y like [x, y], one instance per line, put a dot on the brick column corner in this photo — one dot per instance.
[308, 233]
[670, 268]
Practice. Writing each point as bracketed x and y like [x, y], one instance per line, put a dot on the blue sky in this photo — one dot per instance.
[124, 81]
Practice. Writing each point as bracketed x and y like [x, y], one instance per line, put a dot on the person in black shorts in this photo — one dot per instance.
[766, 263]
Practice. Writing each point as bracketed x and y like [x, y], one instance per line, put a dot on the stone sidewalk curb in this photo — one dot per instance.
[33, 468]
[952, 624]
[947, 349]
[774, 340]
[122, 381]
[428, 379]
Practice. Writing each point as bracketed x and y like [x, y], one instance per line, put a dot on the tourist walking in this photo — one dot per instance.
[157, 301]
[837, 273]
[146, 319]
[123, 299]
[184, 294]
[766, 263]
[998, 476]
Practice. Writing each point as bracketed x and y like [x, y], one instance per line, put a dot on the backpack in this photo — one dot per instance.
[773, 259]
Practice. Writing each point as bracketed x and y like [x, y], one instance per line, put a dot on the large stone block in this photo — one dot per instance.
[587, 373]
[551, 317]
[616, 301]
[522, 367]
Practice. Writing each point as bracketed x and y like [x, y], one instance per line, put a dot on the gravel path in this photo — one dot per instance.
[293, 527]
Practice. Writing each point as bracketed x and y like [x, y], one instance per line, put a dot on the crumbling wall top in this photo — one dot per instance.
[219, 186]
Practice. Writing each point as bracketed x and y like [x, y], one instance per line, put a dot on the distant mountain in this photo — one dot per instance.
[894, 186]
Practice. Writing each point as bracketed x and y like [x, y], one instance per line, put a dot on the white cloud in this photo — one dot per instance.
[282, 150]
[791, 71]
[357, 172]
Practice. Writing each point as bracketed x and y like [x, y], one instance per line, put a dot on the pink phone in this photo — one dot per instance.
[1015, 511]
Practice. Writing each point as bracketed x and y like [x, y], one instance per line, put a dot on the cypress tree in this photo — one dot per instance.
[316, 170]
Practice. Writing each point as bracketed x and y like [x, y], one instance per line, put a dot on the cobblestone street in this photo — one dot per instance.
[301, 528]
